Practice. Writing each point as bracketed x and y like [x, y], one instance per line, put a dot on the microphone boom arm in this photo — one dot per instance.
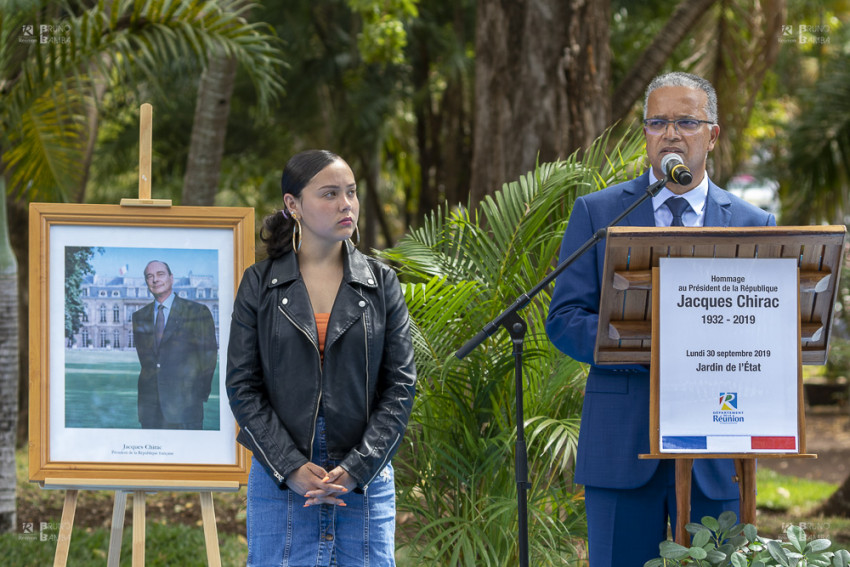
[525, 298]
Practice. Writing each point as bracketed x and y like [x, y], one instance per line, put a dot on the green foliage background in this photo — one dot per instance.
[461, 269]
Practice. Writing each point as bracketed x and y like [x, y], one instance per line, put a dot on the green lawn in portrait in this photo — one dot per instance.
[101, 390]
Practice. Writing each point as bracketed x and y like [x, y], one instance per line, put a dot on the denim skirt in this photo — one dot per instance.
[282, 533]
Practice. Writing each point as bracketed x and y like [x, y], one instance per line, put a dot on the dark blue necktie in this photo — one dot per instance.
[677, 206]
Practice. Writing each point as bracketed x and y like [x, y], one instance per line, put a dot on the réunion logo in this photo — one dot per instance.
[728, 401]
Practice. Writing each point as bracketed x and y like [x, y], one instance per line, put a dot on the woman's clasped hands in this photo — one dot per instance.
[319, 486]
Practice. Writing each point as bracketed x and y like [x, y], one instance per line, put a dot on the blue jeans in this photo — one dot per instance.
[282, 533]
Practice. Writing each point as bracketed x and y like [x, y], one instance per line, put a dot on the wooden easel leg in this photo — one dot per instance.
[139, 528]
[746, 469]
[60, 559]
[117, 531]
[683, 500]
[210, 531]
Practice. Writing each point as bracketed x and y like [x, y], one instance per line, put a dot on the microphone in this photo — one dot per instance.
[674, 168]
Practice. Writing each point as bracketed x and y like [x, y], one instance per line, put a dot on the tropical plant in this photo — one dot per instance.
[461, 269]
[51, 58]
[722, 541]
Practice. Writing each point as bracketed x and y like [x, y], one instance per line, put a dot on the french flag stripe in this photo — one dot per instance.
[683, 442]
[773, 443]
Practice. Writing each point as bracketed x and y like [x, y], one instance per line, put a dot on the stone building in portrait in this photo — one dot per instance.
[110, 301]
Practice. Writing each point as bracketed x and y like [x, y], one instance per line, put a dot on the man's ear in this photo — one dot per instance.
[715, 134]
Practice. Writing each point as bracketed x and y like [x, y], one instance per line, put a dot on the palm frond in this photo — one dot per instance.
[136, 38]
[45, 149]
[124, 41]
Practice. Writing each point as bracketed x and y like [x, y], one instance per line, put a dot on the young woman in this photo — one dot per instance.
[320, 378]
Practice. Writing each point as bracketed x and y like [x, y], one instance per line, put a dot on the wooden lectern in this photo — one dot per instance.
[628, 318]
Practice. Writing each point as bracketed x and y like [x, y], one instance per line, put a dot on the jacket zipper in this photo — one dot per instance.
[319, 404]
[366, 350]
[277, 475]
[384, 462]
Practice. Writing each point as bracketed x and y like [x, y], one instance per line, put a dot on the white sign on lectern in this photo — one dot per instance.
[729, 355]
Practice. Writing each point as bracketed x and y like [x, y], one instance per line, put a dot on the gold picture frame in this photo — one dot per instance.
[87, 265]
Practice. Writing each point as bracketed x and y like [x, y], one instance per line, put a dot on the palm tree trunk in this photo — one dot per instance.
[8, 370]
[206, 148]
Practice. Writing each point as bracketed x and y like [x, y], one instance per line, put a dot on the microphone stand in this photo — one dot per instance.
[516, 327]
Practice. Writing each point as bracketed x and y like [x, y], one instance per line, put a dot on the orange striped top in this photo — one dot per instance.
[322, 327]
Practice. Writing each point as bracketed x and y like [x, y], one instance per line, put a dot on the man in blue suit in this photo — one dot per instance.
[628, 500]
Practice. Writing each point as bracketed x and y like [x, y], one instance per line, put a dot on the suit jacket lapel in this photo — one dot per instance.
[174, 319]
[718, 207]
[644, 215]
[144, 330]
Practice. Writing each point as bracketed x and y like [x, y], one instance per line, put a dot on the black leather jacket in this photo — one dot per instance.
[276, 382]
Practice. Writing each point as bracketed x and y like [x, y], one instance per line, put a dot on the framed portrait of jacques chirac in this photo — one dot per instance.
[129, 322]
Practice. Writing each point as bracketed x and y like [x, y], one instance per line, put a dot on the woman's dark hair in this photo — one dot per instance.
[276, 232]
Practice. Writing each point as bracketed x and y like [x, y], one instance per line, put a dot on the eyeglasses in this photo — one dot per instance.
[686, 126]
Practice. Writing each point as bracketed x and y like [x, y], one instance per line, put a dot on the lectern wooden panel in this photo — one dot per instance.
[625, 310]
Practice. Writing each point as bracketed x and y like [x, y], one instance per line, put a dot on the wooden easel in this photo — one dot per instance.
[628, 316]
[745, 463]
[139, 488]
[145, 153]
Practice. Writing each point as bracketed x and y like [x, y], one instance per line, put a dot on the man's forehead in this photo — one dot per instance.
[156, 268]
[676, 98]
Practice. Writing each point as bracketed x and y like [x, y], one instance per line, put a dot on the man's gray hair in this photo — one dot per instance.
[679, 79]
[168, 269]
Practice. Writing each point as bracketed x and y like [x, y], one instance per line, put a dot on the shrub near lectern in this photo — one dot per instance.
[722, 541]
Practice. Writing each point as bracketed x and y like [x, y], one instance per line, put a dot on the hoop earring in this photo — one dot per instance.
[296, 232]
[357, 232]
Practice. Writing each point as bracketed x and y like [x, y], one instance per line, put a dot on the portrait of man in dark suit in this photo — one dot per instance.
[176, 344]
